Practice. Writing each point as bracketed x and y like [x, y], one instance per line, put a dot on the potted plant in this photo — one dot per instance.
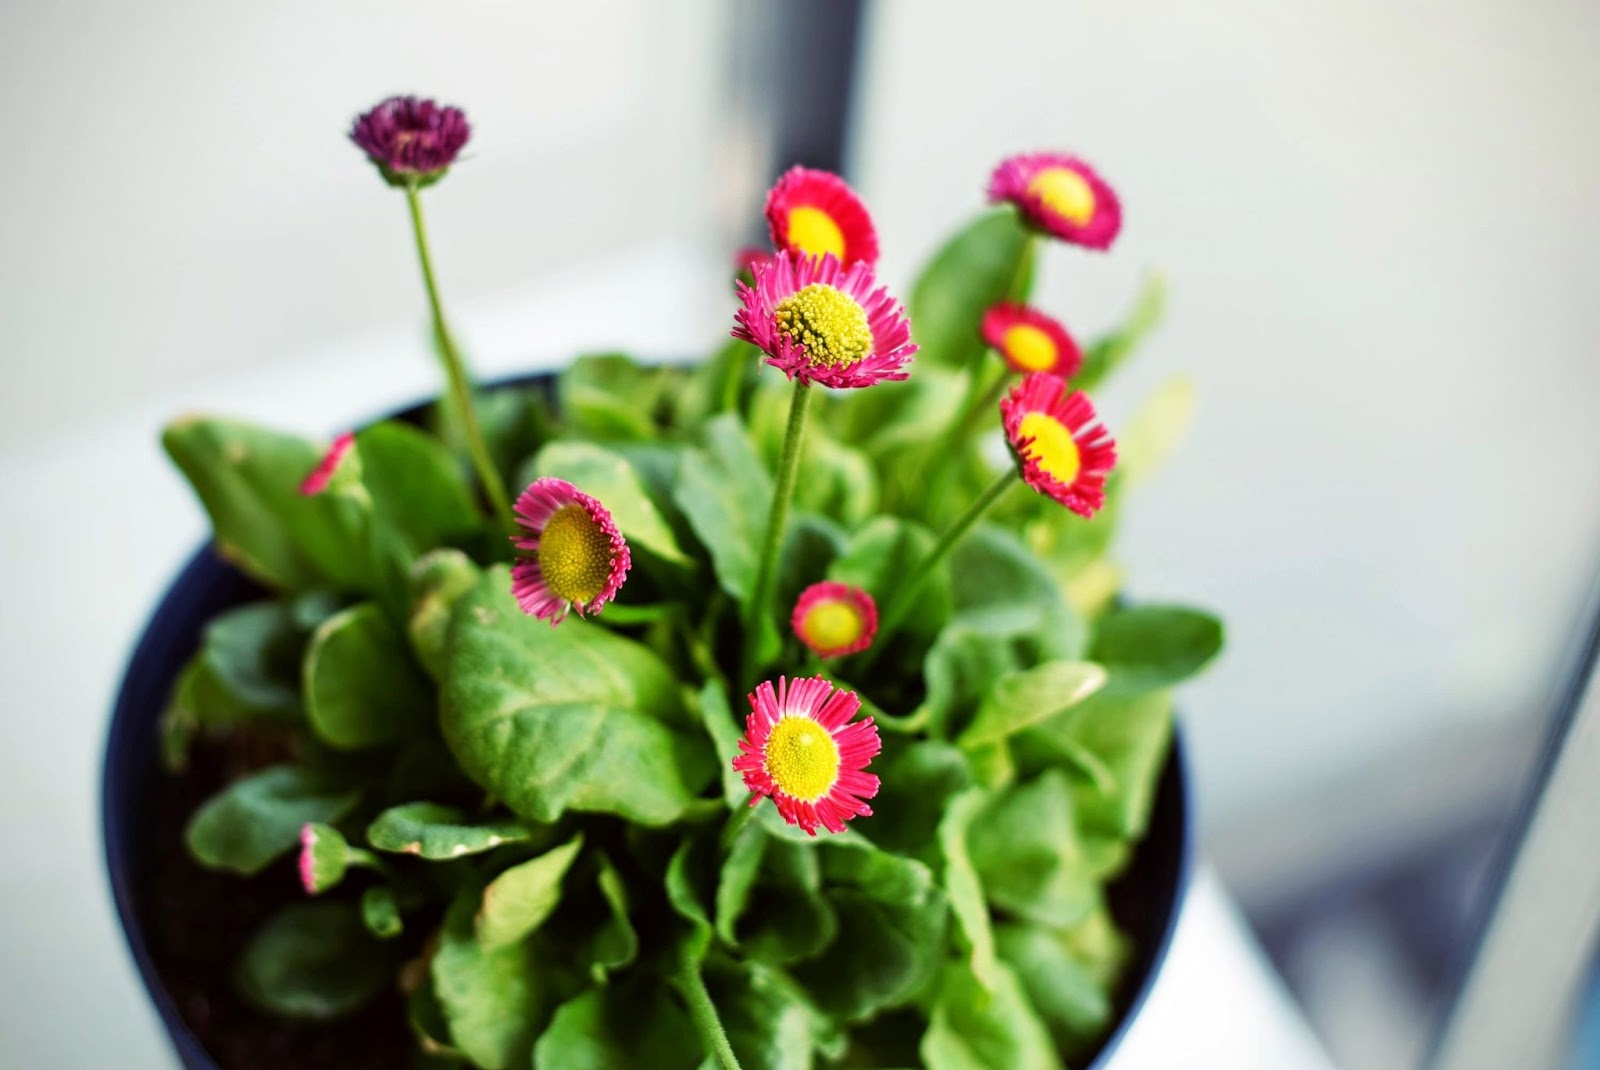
[776, 710]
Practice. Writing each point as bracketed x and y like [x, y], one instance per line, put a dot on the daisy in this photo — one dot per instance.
[815, 214]
[800, 748]
[411, 140]
[835, 619]
[1059, 195]
[820, 322]
[572, 557]
[1060, 445]
[1031, 341]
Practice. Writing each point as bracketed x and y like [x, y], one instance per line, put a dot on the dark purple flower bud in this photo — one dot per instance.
[412, 141]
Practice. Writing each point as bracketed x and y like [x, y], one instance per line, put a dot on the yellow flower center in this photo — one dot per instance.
[832, 624]
[1064, 191]
[1029, 347]
[574, 555]
[1053, 446]
[801, 757]
[813, 232]
[829, 323]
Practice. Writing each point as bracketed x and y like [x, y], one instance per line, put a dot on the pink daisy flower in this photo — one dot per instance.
[572, 557]
[1031, 341]
[820, 322]
[800, 749]
[835, 619]
[815, 214]
[1060, 195]
[322, 474]
[1061, 446]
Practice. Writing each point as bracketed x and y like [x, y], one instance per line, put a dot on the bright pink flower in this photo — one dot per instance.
[573, 555]
[1060, 195]
[318, 480]
[1031, 341]
[815, 214]
[1061, 446]
[835, 619]
[800, 748]
[823, 323]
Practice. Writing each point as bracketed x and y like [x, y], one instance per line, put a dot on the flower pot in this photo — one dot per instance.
[140, 839]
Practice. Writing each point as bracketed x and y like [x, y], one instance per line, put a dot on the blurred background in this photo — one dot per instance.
[1380, 229]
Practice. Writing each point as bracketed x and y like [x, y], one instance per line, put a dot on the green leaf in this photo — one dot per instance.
[252, 655]
[607, 396]
[892, 928]
[362, 688]
[881, 558]
[380, 912]
[1155, 646]
[769, 1021]
[977, 267]
[1129, 733]
[315, 961]
[687, 902]
[738, 879]
[724, 731]
[416, 486]
[1072, 1001]
[810, 543]
[437, 580]
[789, 917]
[1148, 438]
[569, 718]
[609, 477]
[1107, 354]
[1025, 847]
[971, 1029]
[494, 1000]
[958, 671]
[725, 493]
[436, 832]
[248, 479]
[839, 482]
[1000, 587]
[633, 1028]
[964, 888]
[1021, 699]
[613, 944]
[519, 900]
[258, 819]
[918, 781]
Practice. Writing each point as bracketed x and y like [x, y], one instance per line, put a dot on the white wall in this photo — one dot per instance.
[1379, 222]
[179, 198]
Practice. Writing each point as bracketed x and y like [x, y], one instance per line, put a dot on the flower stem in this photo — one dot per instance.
[704, 1014]
[456, 374]
[900, 604]
[782, 493]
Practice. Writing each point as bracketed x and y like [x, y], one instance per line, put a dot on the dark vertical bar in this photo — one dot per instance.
[792, 81]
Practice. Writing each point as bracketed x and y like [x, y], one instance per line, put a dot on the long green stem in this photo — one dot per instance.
[704, 1014]
[782, 493]
[900, 604]
[456, 374]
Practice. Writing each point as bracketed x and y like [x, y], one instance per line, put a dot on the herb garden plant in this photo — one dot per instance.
[781, 710]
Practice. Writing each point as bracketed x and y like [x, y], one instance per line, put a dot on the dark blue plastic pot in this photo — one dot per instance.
[1146, 899]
